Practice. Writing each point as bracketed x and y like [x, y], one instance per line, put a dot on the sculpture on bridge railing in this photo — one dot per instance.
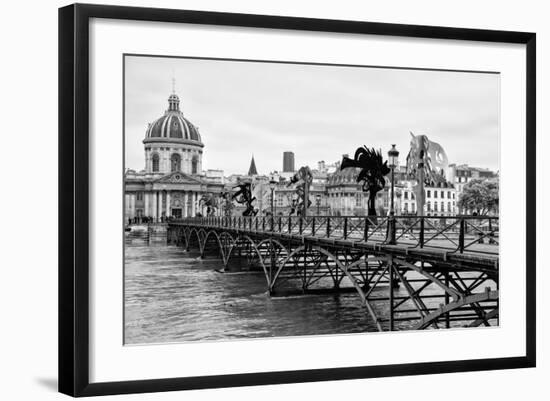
[373, 169]
[427, 164]
[226, 203]
[210, 202]
[244, 197]
[303, 178]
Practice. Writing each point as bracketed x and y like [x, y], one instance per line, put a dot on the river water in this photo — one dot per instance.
[174, 296]
[171, 295]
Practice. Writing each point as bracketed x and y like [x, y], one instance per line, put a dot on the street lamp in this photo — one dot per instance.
[393, 155]
[272, 186]
[318, 202]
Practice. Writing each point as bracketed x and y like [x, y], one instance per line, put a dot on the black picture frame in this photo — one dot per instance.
[74, 198]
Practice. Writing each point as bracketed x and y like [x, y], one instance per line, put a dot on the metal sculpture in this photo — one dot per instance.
[303, 178]
[244, 197]
[293, 204]
[227, 203]
[210, 202]
[372, 171]
[427, 164]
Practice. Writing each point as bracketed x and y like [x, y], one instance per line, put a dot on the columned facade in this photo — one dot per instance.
[172, 181]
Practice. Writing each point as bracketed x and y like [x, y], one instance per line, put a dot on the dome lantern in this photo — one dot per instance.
[173, 102]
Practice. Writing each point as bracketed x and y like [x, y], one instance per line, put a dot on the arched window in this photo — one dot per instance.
[155, 163]
[194, 165]
[175, 162]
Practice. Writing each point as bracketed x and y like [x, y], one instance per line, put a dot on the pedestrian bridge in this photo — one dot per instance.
[408, 271]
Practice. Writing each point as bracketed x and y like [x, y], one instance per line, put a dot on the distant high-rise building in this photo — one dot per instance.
[252, 169]
[288, 162]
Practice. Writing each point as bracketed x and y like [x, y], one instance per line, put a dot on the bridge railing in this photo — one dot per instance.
[460, 234]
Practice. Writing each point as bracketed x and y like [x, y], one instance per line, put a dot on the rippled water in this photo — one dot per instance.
[172, 295]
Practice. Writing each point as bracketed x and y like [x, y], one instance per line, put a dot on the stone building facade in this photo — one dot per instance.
[172, 182]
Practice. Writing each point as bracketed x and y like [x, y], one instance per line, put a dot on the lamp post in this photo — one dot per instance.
[272, 186]
[393, 155]
[318, 202]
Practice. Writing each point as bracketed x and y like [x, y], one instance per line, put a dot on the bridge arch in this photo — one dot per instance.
[364, 300]
[254, 247]
[467, 300]
[456, 295]
[193, 233]
[217, 241]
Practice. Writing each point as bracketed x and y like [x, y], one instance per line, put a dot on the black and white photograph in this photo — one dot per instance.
[277, 199]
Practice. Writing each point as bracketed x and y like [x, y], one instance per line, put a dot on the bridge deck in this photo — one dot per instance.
[449, 243]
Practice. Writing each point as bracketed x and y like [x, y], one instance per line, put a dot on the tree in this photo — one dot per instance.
[480, 196]
[372, 171]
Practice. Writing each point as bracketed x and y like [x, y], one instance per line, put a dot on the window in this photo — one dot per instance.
[453, 196]
[175, 162]
[139, 196]
[358, 199]
[406, 207]
[442, 194]
[429, 193]
[435, 194]
[406, 195]
[156, 161]
[194, 165]
[448, 194]
[429, 206]
[448, 206]
[435, 207]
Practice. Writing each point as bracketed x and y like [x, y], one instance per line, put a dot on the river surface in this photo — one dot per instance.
[174, 296]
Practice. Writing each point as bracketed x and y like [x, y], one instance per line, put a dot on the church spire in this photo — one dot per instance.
[252, 170]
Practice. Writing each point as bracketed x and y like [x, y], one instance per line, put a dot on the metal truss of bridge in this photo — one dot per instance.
[438, 273]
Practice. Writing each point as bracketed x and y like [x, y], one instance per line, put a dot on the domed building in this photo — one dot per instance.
[172, 182]
[173, 143]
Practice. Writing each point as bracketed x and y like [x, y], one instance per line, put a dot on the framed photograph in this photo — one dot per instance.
[251, 199]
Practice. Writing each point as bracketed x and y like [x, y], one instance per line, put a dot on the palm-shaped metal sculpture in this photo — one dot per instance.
[373, 169]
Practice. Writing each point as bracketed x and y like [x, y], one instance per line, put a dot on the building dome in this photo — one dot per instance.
[173, 127]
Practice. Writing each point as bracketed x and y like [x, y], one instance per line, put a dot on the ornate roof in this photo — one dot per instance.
[347, 175]
[173, 127]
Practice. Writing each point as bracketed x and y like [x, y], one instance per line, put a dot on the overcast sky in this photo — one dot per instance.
[318, 112]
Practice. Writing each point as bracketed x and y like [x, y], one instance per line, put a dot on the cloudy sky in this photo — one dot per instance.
[318, 112]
